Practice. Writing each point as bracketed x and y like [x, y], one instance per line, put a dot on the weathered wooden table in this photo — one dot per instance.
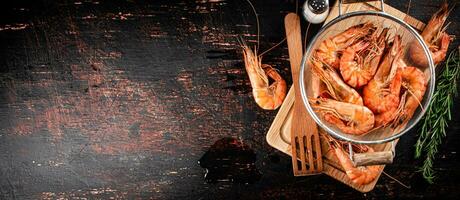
[120, 99]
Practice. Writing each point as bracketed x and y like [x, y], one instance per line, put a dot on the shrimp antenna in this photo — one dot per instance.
[331, 140]
[274, 46]
[240, 40]
[258, 29]
[413, 94]
[442, 30]
[243, 44]
[391, 33]
[408, 7]
[404, 185]
[305, 39]
[398, 114]
[453, 6]
[257, 20]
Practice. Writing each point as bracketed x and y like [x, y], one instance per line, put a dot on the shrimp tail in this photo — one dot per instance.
[358, 175]
[435, 36]
[440, 55]
[278, 87]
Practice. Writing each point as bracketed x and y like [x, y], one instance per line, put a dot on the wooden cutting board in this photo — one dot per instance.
[279, 134]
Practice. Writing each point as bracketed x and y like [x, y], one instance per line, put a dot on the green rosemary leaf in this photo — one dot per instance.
[438, 115]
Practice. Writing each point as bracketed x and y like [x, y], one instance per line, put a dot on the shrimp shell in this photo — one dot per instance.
[381, 94]
[415, 82]
[268, 97]
[435, 37]
[358, 70]
[349, 118]
[329, 49]
[338, 89]
[359, 175]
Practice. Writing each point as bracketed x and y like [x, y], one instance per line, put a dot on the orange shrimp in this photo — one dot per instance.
[338, 89]
[393, 108]
[381, 94]
[415, 83]
[356, 70]
[330, 48]
[358, 175]
[268, 97]
[435, 37]
[349, 118]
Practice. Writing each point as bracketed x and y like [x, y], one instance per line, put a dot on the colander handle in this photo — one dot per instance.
[372, 158]
[354, 1]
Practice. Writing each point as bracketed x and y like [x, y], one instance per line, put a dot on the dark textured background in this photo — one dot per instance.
[120, 99]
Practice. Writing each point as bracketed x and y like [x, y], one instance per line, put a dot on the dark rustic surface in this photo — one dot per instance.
[120, 99]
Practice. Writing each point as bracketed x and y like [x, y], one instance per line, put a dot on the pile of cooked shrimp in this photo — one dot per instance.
[365, 59]
[369, 85]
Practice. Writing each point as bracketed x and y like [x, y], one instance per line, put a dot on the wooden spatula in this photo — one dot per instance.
[305, 141]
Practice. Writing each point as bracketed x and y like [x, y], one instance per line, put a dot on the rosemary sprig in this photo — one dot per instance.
[438, 115]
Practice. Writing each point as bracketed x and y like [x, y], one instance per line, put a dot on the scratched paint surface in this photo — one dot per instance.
[121, 99]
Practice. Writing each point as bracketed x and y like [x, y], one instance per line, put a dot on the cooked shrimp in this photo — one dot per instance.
[359, 175]
[329, 49]
[381, 94]
[356, 70]
[350, 118]
[415, 83]
[393, 106]
[351, 67]
[338, 89]
[435, 37]
[267, 96]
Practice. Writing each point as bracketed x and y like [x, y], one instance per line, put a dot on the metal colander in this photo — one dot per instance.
[309, 83]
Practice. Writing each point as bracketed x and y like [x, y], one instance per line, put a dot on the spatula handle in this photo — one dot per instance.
[304, 133]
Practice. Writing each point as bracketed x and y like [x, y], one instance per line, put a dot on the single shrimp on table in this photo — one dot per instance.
[361, 175]
[268, 97]
[329, 49]
[381, 94]
[359, 62]
[435, 36]
[337, 89]
[349, 118]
